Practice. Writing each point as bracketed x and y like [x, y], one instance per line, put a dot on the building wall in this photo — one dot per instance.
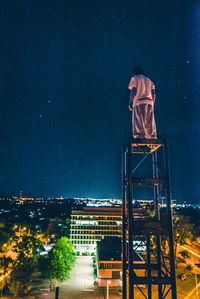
[112, 271]
[88, 228]
[101, 282]
[109, 271]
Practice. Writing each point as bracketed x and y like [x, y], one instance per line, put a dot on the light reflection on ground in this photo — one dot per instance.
[82, 278]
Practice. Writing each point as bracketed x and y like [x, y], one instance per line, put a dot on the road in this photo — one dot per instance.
[186, 247]
[81, 278]
[194, 290]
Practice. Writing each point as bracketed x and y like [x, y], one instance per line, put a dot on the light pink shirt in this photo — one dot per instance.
[144, 88]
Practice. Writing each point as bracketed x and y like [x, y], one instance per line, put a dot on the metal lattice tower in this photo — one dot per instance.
[145, 169]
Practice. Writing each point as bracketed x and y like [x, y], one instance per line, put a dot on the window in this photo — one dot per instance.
[101, 266]
[116, 274]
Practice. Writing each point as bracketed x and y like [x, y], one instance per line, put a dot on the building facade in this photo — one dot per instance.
[91, 225]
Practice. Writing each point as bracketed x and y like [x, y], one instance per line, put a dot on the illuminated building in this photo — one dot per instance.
[92, 225]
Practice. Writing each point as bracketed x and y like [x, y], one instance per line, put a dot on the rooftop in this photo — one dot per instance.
[103, 211]
[111, 250]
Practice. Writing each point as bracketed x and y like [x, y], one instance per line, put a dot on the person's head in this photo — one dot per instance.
[138, 70]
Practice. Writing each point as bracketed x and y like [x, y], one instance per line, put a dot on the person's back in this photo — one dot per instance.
[144, 87]
[142, 98]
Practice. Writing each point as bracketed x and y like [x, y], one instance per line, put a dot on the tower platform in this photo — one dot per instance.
[145, 146]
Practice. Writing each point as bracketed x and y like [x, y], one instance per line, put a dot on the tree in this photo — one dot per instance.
[183, 231]
[57, 228]
[4, 237]
[60, 261]
[27, 247]
[5, 269]
[52, 231]
[185, 254]
[5, 234]
[21, 275]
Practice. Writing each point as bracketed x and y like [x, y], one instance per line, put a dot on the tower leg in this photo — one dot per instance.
[171, 243]
[124, 227]
[160, 296]
[130, 225]
[149, 265]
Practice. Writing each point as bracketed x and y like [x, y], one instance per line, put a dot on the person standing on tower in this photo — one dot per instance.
[141, 103]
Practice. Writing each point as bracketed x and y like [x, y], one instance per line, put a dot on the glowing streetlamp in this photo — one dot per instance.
[108, 282]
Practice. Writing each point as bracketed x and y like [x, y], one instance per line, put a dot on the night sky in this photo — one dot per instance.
[65, 68]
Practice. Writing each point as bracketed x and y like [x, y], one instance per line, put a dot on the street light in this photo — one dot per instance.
[108, 282]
